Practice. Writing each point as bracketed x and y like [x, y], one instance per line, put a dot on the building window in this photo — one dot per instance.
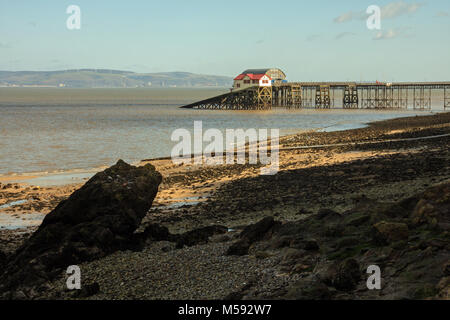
[238, 85]
[255, 81]
[265, 81]
[246, 81]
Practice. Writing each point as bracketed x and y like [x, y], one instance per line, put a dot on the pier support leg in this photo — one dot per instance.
[264, 98]
[296, 94]
[446, 97]
[350, 98]
[323, 97]
[422, 97]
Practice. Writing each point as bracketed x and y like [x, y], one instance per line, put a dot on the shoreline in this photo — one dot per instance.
[63, 177]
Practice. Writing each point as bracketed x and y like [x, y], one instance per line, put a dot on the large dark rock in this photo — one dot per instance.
[385, 232]
[198, 236]
[257, 231]
[344, 275]
[2, 259]
[251, 234]
[97, 219]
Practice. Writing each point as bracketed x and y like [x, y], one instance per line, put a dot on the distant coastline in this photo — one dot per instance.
[105, 78]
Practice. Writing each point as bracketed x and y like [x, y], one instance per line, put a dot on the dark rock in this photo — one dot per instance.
[97, 219]
[433, 208]
[257, 231]
[2, 259]
[157, 232]
[199, 236]
[387, 232]
[446, 269]
[305, 244]
[344, 275]
[327, 214]
[239, 294]
[87, 290]
[239, 248]
[308, 290]
[251, 234]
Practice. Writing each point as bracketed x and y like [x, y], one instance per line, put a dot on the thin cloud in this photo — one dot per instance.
[348, 16]
[390, 11]
[344, 34]
[395, 9]
[442, 14]
[4, 45]
[383, 35]
[392, 34]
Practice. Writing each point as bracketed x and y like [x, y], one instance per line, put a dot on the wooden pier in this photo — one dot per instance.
[321, 95]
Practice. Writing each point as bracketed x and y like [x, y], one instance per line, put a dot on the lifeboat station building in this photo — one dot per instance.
[258, 77]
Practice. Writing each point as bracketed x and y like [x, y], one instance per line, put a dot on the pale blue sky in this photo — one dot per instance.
[309, 40]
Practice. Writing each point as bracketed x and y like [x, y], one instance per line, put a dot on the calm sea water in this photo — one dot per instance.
[49, 129]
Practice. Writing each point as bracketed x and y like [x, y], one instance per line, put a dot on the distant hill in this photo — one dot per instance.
[103, 78]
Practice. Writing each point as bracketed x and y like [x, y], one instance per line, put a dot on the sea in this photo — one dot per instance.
[48, 130]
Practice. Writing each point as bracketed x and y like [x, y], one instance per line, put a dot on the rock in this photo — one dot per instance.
[327, 214]
[307, 289]
[387, 232]
[344, 275]
[2, 259]
[433, 207]
[305, 244]
[239, 248]
[96, 220]
[157, 232]
[446, 268]
[257, 231]
[290, 256]
[251, 234]
[87, 290]
[199, 236]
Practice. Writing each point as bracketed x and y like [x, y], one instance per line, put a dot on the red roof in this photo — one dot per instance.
[251, 76]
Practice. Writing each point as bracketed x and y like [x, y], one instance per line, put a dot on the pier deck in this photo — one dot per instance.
[322, 95]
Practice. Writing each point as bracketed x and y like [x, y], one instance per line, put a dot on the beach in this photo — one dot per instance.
[386, 161]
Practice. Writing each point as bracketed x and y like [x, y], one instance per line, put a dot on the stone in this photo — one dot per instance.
[239, 248]
[308, 290]
[87, 290]
[385, 232]
[251, 234]
[96, 220]
[2, 259]
[327, 214]
[157, 232]
[257, 231]
[199, 236]
[344, 275]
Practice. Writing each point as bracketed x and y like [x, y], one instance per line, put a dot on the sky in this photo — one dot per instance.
[309, 40]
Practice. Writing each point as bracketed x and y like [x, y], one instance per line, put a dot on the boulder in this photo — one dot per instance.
[307, 289]
[343, 275]
[385, 232]
[157, 232]
[239, 248]
[327, 214]
[96, 220]
[257, 231]
[251, 234]
[433, 208]
[198, 236]
[87, 290]
[2, 259]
